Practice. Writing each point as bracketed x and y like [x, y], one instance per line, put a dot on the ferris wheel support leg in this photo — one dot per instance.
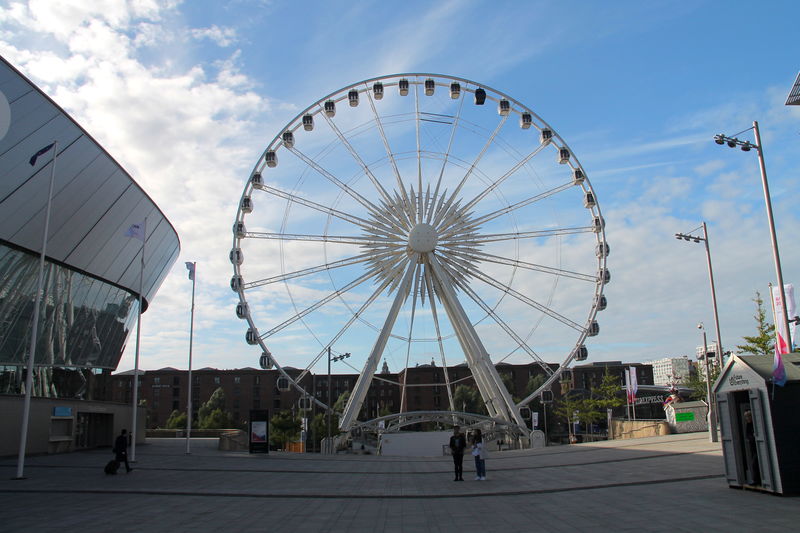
[492, 388]
[356, 400]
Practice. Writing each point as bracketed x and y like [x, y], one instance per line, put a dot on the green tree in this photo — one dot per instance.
[469, 400]
[212, 414]
[697, 383]
[319, 424]
[607, 394]
[534, 383]
[508, 381]
[569, 404]
[764, 342]
[283, 428]
[176, 420]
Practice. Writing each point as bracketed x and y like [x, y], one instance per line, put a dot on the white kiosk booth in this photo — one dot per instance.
[760, 423]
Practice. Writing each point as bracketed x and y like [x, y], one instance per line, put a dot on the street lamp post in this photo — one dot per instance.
[712, 418]
[704, 239]
[732, 142]
[330, 406]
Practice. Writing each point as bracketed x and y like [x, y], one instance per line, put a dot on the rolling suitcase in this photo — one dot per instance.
[112, 467]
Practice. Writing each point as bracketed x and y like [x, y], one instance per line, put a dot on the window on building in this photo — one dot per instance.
[257, 380]
[196, 380]
[256, 391]
[256, 403]
[176, 380]
[216, 380]
[176, 404]
[236, 403]
[156, 381]
[176, 392]
[276, 403]
[237, 379]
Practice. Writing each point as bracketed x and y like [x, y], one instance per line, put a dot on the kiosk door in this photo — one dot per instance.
[731, 439]
[762, 444]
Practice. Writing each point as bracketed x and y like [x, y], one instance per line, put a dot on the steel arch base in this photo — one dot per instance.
[490, 427]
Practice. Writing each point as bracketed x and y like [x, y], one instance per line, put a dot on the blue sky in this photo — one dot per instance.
[186, 96]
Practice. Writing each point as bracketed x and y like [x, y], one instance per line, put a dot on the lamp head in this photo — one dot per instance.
[732, 142]
[719, 139]
[746, 147]
[700, 325]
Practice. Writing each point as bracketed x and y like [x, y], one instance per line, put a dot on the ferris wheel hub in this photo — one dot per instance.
[423, 238]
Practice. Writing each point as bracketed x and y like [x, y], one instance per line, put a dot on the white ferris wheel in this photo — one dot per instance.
[419, 219]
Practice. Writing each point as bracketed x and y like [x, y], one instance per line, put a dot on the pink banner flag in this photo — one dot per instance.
[781, 335]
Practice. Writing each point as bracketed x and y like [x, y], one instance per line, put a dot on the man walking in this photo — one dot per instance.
[458, 442]
[121, 449]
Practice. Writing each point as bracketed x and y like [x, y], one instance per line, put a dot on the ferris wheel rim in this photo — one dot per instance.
[362, 86]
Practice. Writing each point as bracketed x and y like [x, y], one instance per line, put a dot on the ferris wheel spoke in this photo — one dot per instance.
[333, 179]
[476, 255]
[503, 325]
[522, 203]
[400, 184]
[453, 214]
[417, 270]
[434, 314]
[356, 400]
[344, 329]
[456, 119]
[419, 153]
[449, 205]
[361, 258]
[498, 237]
[341, 239]
[525, 299]
[356, 157]
[353, 284]
[318, 207]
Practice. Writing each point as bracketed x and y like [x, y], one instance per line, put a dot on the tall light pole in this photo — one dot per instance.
[330, 406]
[704, 239]
[733, 142]
[712, 418]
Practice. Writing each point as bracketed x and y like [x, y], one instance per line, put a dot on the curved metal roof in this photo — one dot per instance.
[94, 200]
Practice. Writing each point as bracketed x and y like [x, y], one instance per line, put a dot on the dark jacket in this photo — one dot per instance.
[458, 444]
[121, 447]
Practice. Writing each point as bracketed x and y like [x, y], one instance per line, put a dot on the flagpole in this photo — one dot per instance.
[193, 272]
[26, 410]
[133, 431]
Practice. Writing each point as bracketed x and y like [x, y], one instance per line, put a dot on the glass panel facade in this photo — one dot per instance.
[83, 321]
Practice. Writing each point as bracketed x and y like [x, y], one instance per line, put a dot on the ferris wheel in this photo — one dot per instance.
[419, 219]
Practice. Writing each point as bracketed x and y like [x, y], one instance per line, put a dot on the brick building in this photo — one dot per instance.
[165, 390]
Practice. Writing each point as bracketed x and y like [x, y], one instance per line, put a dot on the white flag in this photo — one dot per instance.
[136, 231]
[634, 383]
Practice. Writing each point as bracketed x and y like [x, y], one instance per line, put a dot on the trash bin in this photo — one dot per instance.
[759, 423]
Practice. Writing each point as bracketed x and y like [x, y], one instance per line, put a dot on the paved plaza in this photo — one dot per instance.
[669, 484]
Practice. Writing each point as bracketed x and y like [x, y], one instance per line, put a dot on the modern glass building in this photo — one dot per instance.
[92, 269]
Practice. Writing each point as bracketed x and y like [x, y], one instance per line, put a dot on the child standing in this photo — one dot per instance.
[479, 452]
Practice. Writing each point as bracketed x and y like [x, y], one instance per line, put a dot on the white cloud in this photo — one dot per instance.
[221, 36]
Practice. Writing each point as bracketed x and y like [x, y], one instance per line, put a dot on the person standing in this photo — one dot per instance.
[121, 449]
[458, 443]
[479, 452]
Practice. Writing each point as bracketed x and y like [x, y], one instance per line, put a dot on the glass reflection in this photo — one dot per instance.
[84, 323]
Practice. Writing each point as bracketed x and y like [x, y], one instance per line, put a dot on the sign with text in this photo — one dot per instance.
[259, 431]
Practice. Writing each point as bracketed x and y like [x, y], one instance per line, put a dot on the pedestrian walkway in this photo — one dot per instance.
[672, 483]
